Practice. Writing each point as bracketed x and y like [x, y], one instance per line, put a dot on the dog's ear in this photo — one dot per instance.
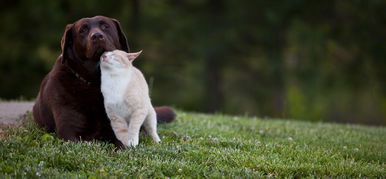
[67, 43]
[121, 36]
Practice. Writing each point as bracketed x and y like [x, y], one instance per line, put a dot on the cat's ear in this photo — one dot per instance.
[132, 56]
[67, 43]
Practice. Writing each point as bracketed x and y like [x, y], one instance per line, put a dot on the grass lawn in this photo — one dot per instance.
[197, 145]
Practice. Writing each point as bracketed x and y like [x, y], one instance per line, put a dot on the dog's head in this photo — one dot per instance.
[87, 39]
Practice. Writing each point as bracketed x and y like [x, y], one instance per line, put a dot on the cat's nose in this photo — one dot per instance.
[103, 57]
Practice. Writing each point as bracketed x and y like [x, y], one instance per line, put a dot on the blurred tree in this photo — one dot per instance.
[320, 61]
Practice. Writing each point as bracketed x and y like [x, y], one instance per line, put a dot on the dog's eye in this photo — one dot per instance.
[104, 26]
[83, 29]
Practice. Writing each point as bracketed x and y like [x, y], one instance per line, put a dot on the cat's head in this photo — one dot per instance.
[118, 59]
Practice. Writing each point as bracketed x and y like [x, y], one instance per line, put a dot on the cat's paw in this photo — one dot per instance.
[155, 137]
[132, 142]
[157, 140]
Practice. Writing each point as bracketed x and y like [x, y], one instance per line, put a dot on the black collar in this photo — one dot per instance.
[88, 83]
[79, 77]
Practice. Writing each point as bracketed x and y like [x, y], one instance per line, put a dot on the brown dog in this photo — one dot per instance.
[70, 100]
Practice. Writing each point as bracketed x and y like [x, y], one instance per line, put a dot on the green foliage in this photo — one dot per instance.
[237, 57]
[197, 145]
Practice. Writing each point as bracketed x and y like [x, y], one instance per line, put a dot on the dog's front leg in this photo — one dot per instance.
[67, 134]
[66, 127]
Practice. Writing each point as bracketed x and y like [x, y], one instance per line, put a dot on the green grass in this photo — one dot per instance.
[198, 145]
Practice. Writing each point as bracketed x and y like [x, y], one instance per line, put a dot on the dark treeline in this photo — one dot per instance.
[299, 59]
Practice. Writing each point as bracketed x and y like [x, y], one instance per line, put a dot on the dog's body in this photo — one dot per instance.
[71, 108]
[70, 101]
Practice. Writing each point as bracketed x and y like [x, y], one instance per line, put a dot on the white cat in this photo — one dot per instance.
[126, 97]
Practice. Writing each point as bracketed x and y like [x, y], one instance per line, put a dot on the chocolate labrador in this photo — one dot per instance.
[70, 101]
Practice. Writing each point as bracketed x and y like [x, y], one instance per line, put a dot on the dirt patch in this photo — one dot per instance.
[11, 112]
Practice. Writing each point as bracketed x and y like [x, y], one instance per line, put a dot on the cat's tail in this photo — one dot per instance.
[165, 114]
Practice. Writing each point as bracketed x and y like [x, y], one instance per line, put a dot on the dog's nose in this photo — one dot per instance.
[97, 36]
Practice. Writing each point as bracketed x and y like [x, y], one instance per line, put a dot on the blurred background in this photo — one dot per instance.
[293, 59]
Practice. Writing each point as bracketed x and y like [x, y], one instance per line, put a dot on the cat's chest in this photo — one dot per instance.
[120, 94]
[113, 89]
[122, 106]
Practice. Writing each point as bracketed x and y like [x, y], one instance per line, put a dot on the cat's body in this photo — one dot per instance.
[126, 97]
